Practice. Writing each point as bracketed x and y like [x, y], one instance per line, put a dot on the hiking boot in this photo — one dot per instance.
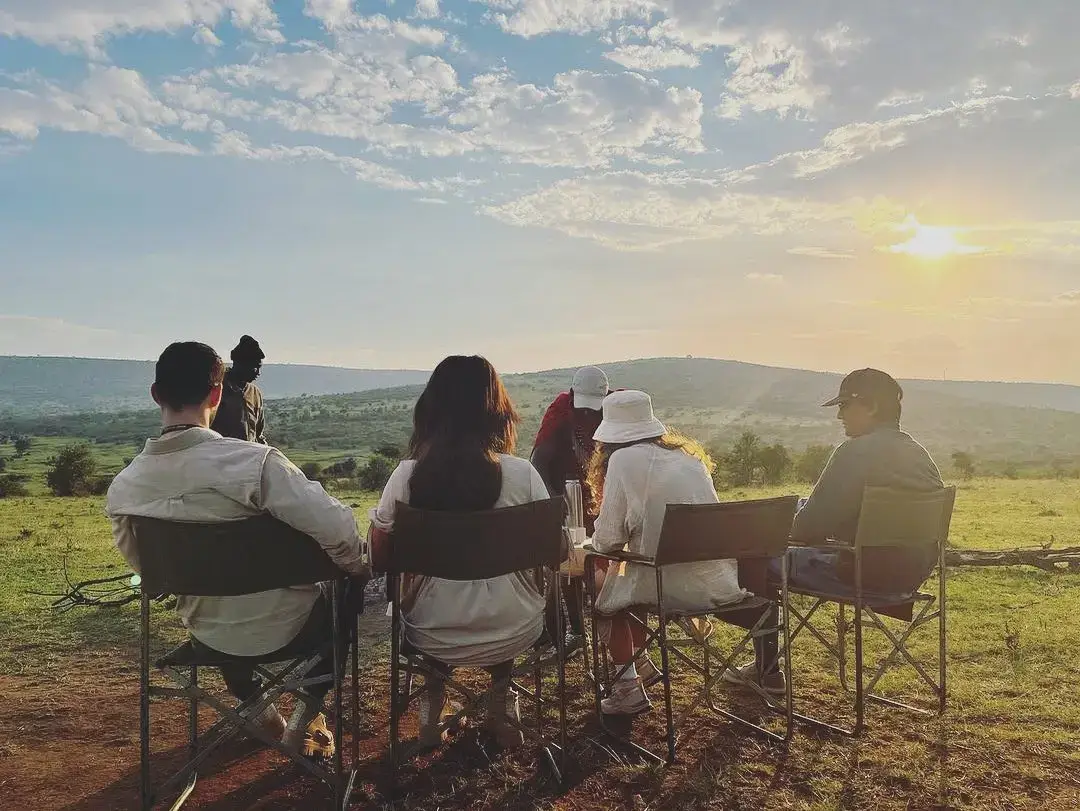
[432, 704]
[269, 720]
[627, 698]
[775, 683]
[502, 708]
[649, 672]
[307, 732]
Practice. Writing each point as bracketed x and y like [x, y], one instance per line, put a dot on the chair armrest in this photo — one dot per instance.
[619, 555]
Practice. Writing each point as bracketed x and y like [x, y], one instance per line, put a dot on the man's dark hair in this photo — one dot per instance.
[185, 374]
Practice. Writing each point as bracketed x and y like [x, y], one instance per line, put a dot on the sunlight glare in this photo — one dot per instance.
[932, 242]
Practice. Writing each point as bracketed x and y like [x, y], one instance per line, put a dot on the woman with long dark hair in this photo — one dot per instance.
[639, 467]
[460, 460]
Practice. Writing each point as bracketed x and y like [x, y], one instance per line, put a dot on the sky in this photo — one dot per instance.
[379, 183]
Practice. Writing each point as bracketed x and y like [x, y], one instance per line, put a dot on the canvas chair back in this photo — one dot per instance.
[477, 545]
[740, 529]
[905, 518]
[228, 558]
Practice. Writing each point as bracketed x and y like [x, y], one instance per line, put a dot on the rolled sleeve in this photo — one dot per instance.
[612, 532]
[290, 497]
[837, 497]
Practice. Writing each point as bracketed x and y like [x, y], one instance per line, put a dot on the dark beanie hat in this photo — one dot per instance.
[247, 350]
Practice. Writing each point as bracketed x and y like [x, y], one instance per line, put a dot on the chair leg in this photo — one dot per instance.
[339, 719]
[147, 800]
[859, 697]
[667, 689]
[355, 691]
[841, 643]
[193, 717]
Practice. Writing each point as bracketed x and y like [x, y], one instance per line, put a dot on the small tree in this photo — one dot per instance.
[811, 462]
[1011, 471]
[22, 445]
[376, 472]
[742, 460]
[311, 470]
[964, 463]
[390, 451]
[12, 486]
[775, 462]
[3, 464]
[72, 471]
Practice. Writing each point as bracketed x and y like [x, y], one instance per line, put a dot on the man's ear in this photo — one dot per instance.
[154, 394]
[214, 400]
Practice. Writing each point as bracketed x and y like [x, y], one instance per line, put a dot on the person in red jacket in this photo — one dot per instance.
[561, 452]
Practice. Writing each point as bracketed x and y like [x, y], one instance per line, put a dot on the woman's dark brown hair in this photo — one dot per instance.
[462, 422]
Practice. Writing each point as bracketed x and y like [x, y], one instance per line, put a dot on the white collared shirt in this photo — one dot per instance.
[198, 475]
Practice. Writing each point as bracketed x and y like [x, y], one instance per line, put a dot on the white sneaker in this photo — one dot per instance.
[647, 669]
[627, 698]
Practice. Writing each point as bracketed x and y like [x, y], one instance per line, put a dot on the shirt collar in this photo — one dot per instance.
[179, 441]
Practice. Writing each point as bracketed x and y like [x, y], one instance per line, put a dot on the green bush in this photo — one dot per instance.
[13, 486]
[376, 472]
[73, 471]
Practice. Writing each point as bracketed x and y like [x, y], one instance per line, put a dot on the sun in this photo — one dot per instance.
[932, 242]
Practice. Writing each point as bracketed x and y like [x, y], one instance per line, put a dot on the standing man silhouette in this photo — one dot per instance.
[240, 415]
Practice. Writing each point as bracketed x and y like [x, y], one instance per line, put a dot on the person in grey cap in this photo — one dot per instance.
[240, 415]
[561, 452]
[877, 453]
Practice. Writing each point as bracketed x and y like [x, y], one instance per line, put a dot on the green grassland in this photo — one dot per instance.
[1010, 740]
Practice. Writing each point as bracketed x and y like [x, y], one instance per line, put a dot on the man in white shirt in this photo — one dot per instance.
[191, 473]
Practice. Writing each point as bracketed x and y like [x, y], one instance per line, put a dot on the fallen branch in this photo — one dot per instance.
[1049, 560]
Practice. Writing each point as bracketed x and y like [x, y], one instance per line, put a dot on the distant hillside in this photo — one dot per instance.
[53, 386]
[710, 399]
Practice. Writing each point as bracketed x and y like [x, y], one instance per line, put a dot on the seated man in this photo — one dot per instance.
[191, 473]
[877, 453]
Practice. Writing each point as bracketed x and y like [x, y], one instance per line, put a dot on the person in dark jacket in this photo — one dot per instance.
[240, 415]
[561, 452]
[877, 453]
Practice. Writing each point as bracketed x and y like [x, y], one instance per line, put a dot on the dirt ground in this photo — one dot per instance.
[72, 743]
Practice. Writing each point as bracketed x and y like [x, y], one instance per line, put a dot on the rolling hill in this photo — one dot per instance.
[714, 400]
[53, 386]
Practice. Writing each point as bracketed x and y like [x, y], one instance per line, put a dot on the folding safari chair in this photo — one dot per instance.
[698, 533]
[229, 559]
[894, 518]
[475, 546]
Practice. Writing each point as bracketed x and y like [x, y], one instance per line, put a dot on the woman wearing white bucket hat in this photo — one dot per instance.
[640, 467]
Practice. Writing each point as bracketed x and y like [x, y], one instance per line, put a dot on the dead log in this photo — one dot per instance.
[1049, 560]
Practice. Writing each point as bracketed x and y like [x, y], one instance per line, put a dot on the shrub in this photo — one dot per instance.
[311, 470]
[376, 472]
[775, 462]
[13, 486]
[811, 462]
[72, 472]
[964, 463]
[22, 445]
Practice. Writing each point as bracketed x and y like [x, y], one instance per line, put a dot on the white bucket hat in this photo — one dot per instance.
[590, 387]
[628, 417]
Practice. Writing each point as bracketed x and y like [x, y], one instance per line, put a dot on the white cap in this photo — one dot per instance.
[590, 387]
[628, 417]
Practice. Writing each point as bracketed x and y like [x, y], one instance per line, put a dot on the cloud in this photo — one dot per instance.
[771, 74]
[205, 36]
[642, 211]
[820, 253]
[86, 23]
[427, 9]
[765, 278]
[114, 102]
[652, 57]
[582, 119]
